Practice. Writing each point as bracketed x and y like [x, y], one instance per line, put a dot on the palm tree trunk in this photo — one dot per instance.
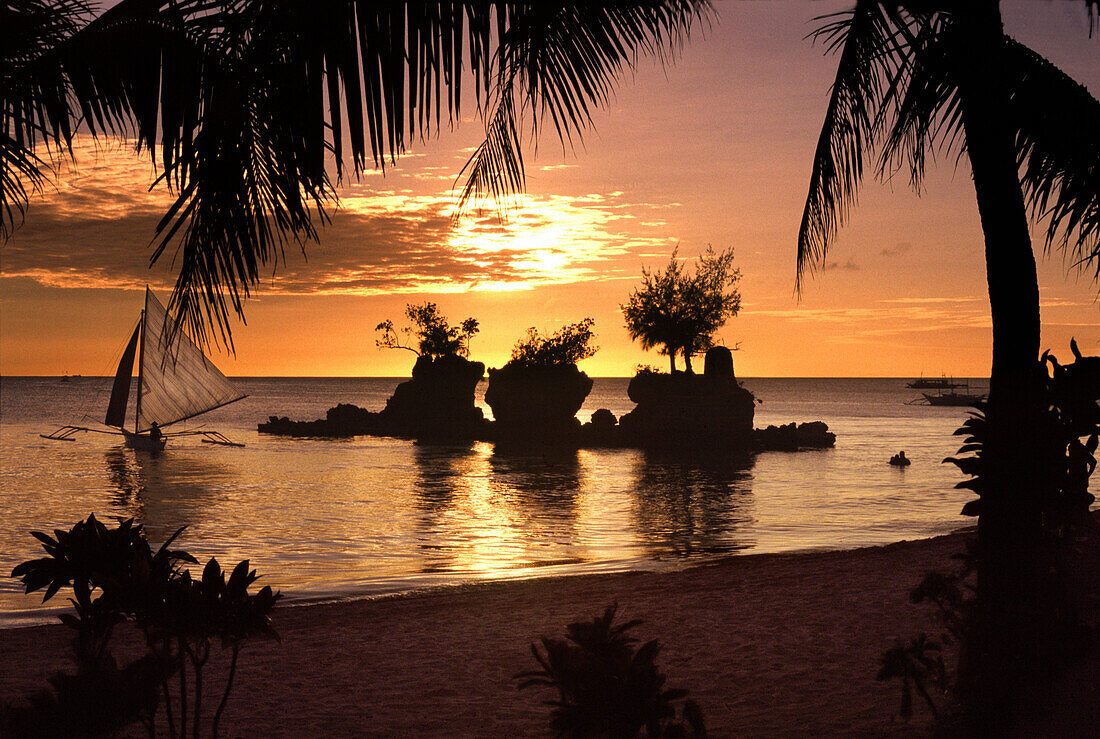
[1011, 598]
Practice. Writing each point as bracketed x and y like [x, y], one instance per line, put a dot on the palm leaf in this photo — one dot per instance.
[34, 103]
[559, 61]
[868, 40]
[1058, 150]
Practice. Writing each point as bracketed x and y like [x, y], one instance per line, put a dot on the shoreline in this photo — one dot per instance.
[46, 615]
[765, 643]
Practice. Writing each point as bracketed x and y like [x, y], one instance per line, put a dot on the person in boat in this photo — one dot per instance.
[155, 434]
[899, 459]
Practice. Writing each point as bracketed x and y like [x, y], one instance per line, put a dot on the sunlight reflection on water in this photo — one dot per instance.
[326, 519]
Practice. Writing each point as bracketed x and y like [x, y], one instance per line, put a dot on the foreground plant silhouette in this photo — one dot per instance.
[1068, 395]
[115, 576]
[606, 687]
[919, 665]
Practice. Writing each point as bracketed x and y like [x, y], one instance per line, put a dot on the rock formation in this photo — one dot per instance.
[536, 402]
[438, 402]
[685, 410]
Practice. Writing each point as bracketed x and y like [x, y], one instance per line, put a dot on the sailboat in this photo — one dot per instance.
[176, 382]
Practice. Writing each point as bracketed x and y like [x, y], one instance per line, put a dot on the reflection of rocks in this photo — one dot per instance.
[438, 469]
[691, 411]
[438, 402]
[690, 508]
[537, 402]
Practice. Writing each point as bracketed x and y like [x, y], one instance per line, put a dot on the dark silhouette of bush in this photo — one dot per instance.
[115, 576]
[607, 687]
[919, 665]
[435, 336]
[568, 345]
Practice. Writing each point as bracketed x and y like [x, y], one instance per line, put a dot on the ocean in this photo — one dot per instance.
[334, 519]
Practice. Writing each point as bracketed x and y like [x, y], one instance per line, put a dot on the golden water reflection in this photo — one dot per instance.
[692, 507]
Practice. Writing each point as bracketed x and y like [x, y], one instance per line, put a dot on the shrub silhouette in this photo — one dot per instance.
[919, 665]
[115, 576]
[605, 686]
[435, 336]
[568, 345]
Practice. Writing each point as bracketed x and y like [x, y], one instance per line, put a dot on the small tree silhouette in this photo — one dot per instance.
[919, 665]
[115, 576]
[605, 686]
[568, 345]
[679, 312]
[435, 336]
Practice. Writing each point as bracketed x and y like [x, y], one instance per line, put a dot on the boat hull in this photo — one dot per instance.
[144, 442]
[953, 399]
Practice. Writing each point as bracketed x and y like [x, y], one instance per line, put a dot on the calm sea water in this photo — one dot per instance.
[330, 519]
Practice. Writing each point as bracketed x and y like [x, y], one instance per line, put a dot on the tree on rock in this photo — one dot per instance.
[679, 312]
[435, 336]
[568, 345]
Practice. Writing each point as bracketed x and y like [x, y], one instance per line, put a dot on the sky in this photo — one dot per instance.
[715, 148]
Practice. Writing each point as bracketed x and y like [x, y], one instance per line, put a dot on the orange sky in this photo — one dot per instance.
[714, 149]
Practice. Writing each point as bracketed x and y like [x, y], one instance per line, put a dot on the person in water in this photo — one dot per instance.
[899, 459]
[155, 434]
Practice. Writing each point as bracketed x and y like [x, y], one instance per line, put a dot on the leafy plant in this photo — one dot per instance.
[680, 312]
[568, 345]
[919, 665]
[115, 576]
[435, 337]
[607, 687]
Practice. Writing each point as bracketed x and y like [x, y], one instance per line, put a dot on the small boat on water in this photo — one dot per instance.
[953, 398]
[176, 382]
[934, 383]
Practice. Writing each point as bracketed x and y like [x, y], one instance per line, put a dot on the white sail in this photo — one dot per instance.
[177, 381]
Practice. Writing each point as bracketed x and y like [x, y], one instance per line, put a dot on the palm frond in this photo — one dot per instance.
[1058, 151]
[558, 62]
[868, 40]
[495, 169]
[34, 104]
[922, 101]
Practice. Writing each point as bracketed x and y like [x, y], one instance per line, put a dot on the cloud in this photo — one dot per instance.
[94, 230]
[848, 266]
[887, 317]
[899, 249]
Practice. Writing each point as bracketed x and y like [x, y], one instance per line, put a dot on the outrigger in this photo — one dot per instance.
[176, 382]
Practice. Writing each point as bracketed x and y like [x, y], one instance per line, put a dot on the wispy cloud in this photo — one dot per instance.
[899, 249]
[848, 266]
[94, 230]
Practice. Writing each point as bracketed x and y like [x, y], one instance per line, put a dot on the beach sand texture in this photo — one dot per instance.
[768, 645]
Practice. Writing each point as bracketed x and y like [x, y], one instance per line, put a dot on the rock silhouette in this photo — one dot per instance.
[538, 402]
[686, 410]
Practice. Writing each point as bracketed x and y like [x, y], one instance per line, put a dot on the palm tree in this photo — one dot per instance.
[241, 103]
[915, 75]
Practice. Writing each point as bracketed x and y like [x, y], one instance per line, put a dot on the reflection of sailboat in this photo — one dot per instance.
[175, 382]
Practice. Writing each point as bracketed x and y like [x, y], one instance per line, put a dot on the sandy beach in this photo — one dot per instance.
[768, 645]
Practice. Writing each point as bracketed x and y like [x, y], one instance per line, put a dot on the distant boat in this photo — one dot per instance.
[176, 382]
[935, 383]
[954, 398]
[950, 397]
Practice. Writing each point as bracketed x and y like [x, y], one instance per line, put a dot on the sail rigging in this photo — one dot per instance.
[177, 381]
